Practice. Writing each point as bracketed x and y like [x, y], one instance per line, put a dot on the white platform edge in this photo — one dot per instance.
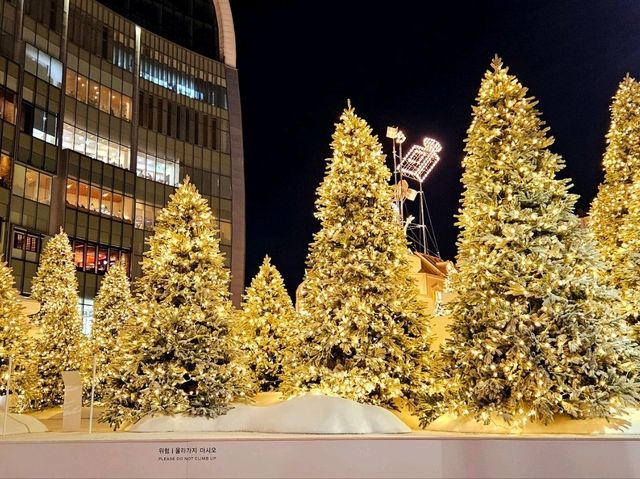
[424, 455]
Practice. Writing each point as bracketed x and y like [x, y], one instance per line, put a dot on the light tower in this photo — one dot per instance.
[415, 166]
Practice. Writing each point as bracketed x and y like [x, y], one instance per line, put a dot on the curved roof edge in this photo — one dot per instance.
[226, 32]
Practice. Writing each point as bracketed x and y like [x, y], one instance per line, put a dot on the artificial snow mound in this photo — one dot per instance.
[310, 414]
[627, 424]
[21, 424]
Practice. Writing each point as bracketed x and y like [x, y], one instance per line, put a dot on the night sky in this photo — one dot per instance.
[417, 65]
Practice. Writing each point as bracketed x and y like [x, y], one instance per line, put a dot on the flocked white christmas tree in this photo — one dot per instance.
[114, 307]
[533, 334]
[181, 357]
[60, 344]
[266, 322]
[614, 215]
[363, 335]
[15, 343]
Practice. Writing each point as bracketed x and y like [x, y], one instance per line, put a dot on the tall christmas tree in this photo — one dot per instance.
[114, 307]
[181, 349]
[60, 346]
[265, 324]
[611, 209]
[15, 343]
[533, 332]
[365, 334]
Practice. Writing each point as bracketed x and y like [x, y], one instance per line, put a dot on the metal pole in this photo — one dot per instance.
[6, 400]
[423, 226]
[93, 391]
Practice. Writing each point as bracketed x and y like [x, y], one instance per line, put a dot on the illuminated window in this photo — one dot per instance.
[43, 66]
[8, 105]
[5, 170]
[31, 184]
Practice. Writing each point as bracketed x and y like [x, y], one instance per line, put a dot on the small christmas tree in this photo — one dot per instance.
[15, 343]
[265, 325]
[113, 308]
[181, 352]
[364, 335]
[60, 346]
[625, 273]
[611, 209]
[533, 332]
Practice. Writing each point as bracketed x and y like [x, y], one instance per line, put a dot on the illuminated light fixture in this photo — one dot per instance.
[403, 192]
[395, 134]
[420, 160]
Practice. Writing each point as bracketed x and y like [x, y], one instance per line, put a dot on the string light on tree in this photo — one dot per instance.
[114, 307]
[264, 325]
[15, 343]
[363, 334]
[60, 345]
[614, 216]
[534, 333]
[181, 358]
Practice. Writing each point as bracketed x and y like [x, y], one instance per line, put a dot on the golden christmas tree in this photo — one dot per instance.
[614, 224]
[265, 324]
[114, 307]
[533, 334]
[363, 334]
[181, 354]
[60, 345]
[15, 343]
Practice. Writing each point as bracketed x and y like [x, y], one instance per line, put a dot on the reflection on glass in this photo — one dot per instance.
[90, 264]
[31, 185]
[139, 223]
[103, 150]
[103, 259]
[44, 189]
[83, 196]
[94, 199]
[83, 89]
[116, 101]
[18, 180]
[70, 83]
[105, 96]
[148, 217]
[117, 205]
[105, 207]
[126, 107]
[128, 209]
[114, 255]
[72, 192]
[94, 94]
[67, 136]
[78, 254]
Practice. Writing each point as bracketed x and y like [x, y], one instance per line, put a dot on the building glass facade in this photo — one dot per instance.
[97, 128]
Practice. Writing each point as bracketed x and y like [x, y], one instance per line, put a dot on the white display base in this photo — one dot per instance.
[251, 455]
[308, 414]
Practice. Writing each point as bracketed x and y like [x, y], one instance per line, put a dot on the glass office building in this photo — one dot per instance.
[104, 108]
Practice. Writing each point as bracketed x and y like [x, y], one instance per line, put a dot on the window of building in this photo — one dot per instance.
[146, 215]
[158, 169]
[98, 199]
[8, 105]
[44, 125]
[5, 170]
[25, 245]
[95, 146]
[99, 96]
[32, 184]
[43, 66]
[94, 258]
